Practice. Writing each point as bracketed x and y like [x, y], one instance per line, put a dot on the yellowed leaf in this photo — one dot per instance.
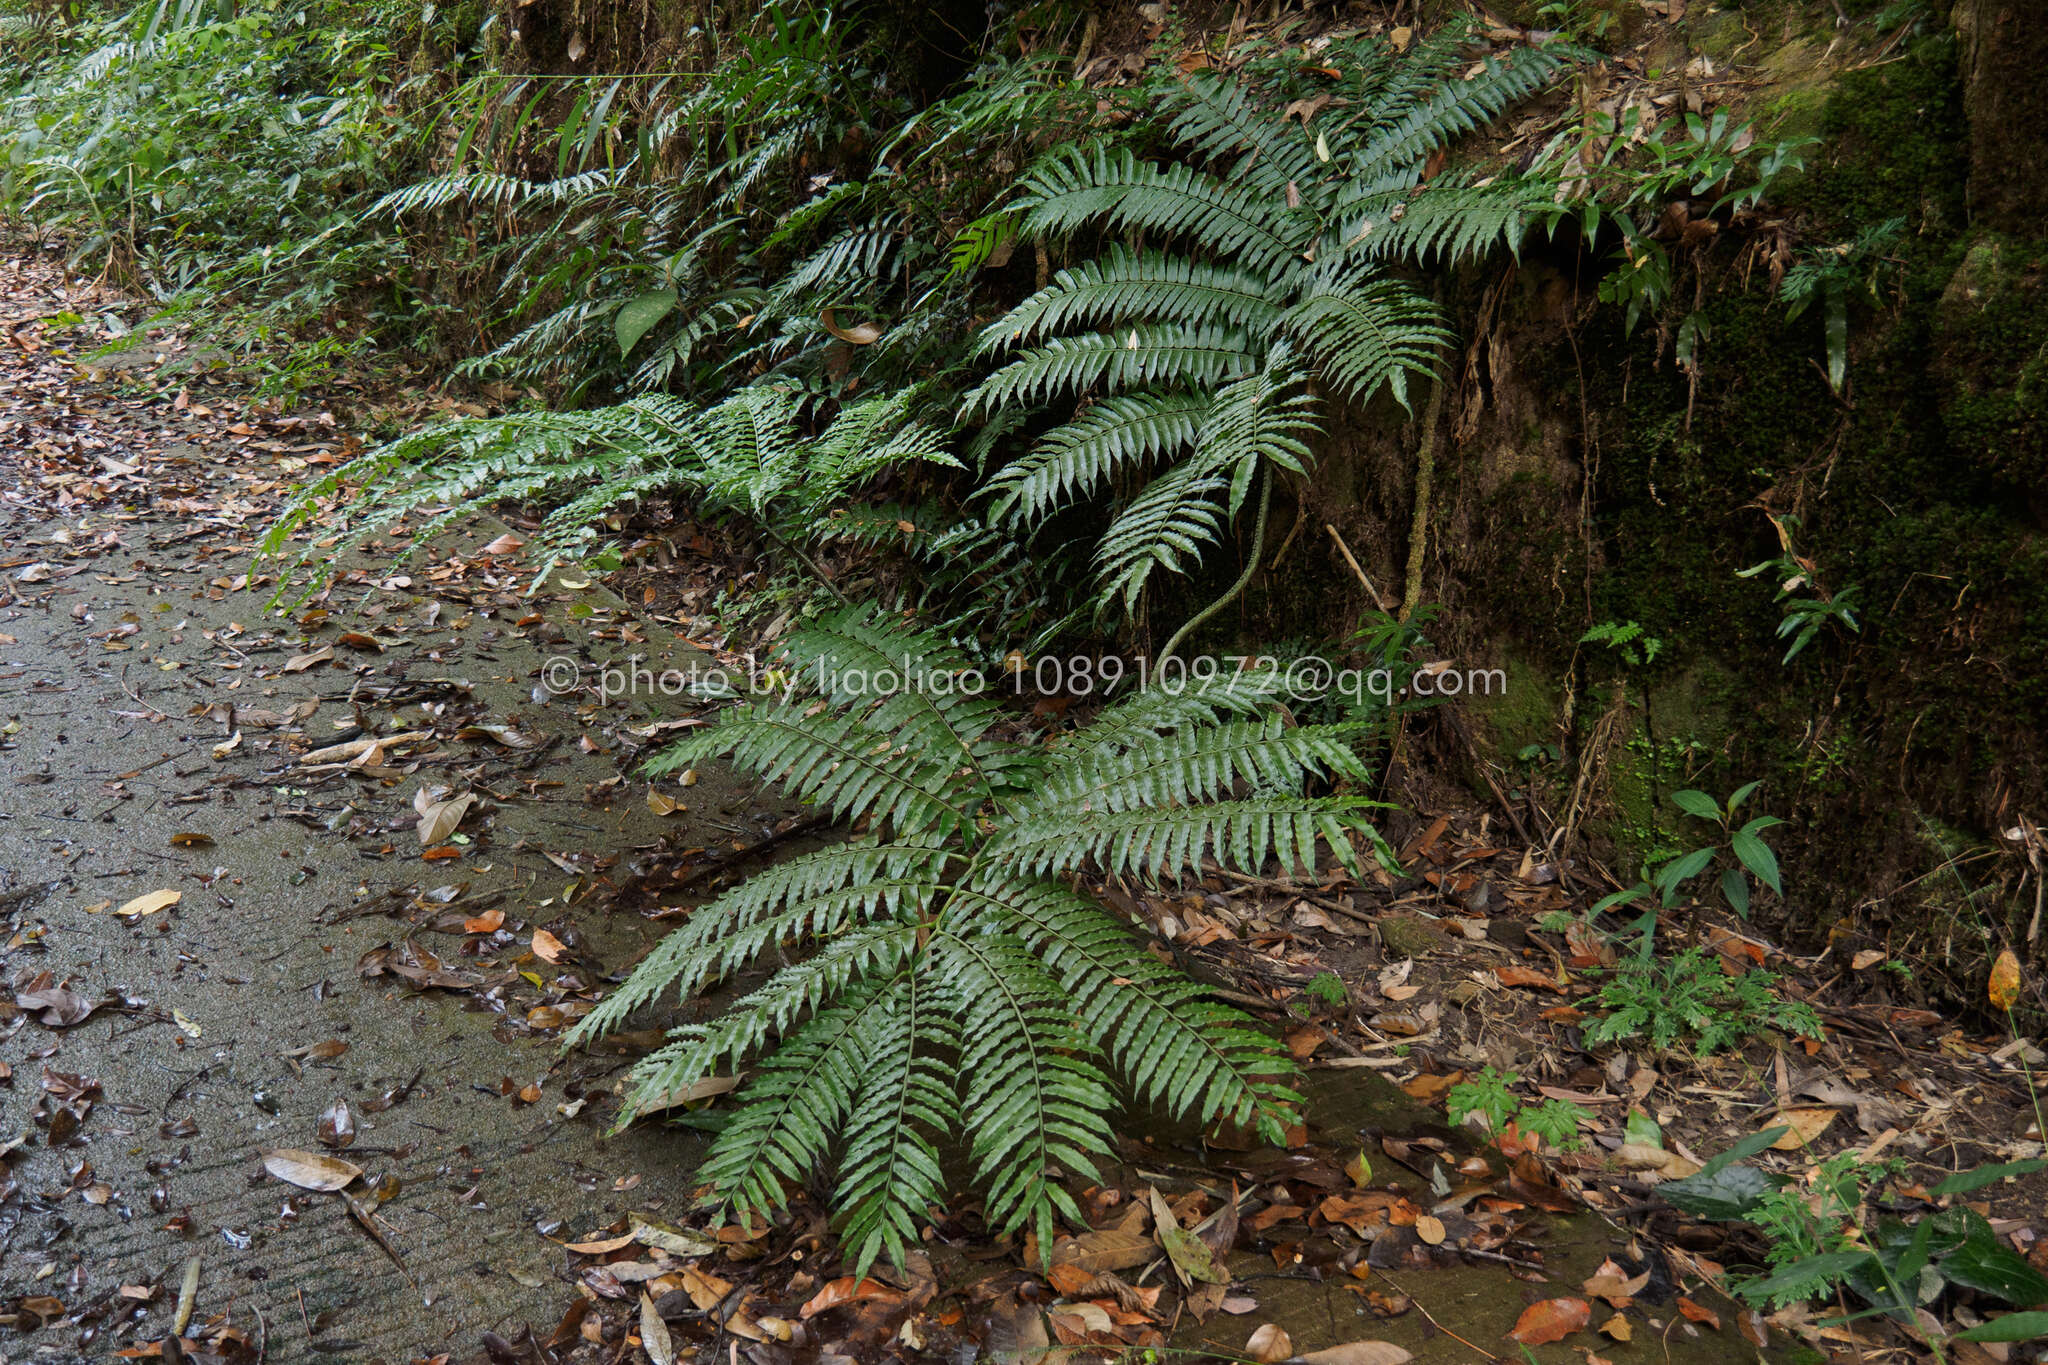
[2005, 981]
[1805, 1125]
[150, 904]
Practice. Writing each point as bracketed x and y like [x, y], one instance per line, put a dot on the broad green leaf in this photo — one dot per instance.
[1831, 1265]
[1742, 792]
[1989, 1266]
[2011, 1327]
[1754, 854]
[1723, 1196]
[639, 316]
[1745, 1149]
[1697, 803]
[1962, 1182]
[1735, 890]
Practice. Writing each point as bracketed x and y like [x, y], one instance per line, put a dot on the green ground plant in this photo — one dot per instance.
[1487, 1096]
[1692, 998]
[962, 988]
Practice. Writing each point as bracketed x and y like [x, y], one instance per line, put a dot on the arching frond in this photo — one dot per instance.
[1170, 842]
[1111, 188]
[1108, 438]
[1454, 108]
[1036, 1105]
[1129, 286]
[1197, 765]
[1161, 355]
[1366, 333]
[890, 1175]
[1217, 119]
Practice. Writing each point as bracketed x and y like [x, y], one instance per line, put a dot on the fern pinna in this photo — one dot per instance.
[962, 992]
[1241, 285]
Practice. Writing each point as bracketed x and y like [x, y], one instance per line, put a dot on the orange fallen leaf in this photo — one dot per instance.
[1526, 976]
[846, 1290]
[1551, 1320]
[486, 923]
[1694, 1313]
[547, 947]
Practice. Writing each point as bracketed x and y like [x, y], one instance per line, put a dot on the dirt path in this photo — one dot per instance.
[153, 723]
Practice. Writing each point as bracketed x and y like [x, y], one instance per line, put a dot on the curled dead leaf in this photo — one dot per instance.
[310, 1170]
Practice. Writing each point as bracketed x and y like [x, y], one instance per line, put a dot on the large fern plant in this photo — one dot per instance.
[1240, 287]
[962, 993]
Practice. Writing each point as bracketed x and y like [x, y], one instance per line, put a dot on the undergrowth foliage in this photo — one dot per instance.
[962, 990]
[757, 454]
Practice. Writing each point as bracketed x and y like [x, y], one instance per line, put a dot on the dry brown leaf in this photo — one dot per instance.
[2004, 988]
[846, 1290]
[1430, 1229]
[310, 1170]
[1269, 1344]
[1805, 1126]
[1551, 1320]
[1360, 1353]
[547, 947]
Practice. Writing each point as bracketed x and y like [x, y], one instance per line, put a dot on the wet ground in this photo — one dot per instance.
[153, 724]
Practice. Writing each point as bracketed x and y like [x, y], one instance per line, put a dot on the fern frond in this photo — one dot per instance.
[1111, 188]
[815, 895]
[1035, 1102]
[1444, 221]
[1263, 417]
[1150, 354]
[1130, 286]
[1178, 1050]
[1216, 118]
[796, 992]
[1366, 333]
[1197, 764]
[1171, 705]
[791, 1112]
[1454, 108]
[891, 1175]
[843, 656]
[1171, 842]
[833, 759]
[1164, 528]
[1106, 439]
